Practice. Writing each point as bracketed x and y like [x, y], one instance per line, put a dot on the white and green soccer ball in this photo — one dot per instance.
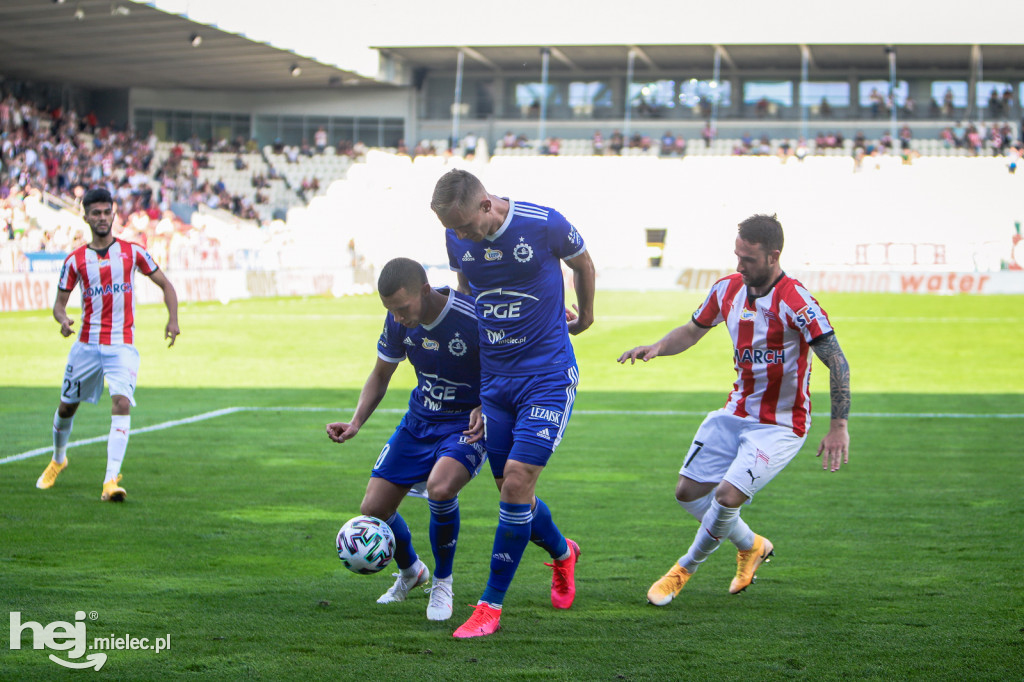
[366, 544]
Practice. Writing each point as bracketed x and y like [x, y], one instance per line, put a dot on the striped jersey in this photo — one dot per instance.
[445, 355]
[515, 275]
[106, 279]
[771, 337]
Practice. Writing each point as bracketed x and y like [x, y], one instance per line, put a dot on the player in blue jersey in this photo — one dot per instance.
[438, 439]
[509, 255]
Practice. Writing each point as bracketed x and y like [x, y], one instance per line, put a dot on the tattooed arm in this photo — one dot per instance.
[836, 444]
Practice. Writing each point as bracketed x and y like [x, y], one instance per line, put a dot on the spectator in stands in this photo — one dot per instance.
[825, 109]
[761, 108]
[616, 143]
[784, 151]
[680, 145]
[800, 152]
[708, 134]
[509, 140]
[995, 103]
[668, 143]
[320, 140]
[909, 106]
[905, 137]
[469, 145]
[598, 142]
[877, 102]
[947, 102]
[240, 164]
[885, 142]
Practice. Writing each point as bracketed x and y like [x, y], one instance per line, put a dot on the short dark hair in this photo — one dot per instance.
[455, 189]
[400, 273]
[763, 229]
[98, 195]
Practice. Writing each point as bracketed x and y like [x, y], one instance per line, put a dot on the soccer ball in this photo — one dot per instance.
[366, 544]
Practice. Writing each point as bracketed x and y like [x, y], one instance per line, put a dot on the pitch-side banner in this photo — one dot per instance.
[824, 281]
[36, 290]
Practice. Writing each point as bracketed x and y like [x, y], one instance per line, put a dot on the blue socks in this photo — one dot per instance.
[510, 541]
[545, 534]
[405, 555]
[444, 533]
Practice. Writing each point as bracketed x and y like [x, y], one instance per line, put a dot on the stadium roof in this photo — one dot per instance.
[121, 44]
[511, 60]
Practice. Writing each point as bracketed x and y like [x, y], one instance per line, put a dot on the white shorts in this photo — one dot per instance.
[744, 452]
[90, 363]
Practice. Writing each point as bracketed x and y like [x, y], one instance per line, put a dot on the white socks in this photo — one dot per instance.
[61, 436]
[717, 524]
[741, 536]
[117, 443]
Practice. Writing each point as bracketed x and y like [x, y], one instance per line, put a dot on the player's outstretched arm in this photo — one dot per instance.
[584, 282]
[60, 313]
[835, 446]
[369, 398]
[171, 331]
[673, 343]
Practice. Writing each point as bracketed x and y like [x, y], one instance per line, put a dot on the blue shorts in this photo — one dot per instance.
[415, 446]
[525, 417]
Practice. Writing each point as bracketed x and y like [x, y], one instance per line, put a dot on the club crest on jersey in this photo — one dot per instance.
[430, 344]
[492, 254]
[523, 252]
[467, 257]
[457, 346]
[747, 315]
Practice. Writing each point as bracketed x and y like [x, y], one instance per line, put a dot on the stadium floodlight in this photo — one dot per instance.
[196, 40]
[296, 71]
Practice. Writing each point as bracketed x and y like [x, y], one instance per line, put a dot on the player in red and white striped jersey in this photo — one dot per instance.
[774, 323]
[104, 270]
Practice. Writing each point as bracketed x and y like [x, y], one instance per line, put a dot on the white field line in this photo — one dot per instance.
[625, 413]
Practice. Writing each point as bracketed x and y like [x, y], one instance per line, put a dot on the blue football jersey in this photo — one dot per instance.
[515, 275]
[445, 355]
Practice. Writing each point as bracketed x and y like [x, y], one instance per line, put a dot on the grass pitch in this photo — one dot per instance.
[904, 565]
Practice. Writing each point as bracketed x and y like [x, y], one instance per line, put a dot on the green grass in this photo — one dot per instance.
[904, 565]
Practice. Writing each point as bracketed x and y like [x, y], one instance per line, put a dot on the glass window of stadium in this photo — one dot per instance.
[766, 98]
[699, 95]
[824, 97]
[989, 94]
[528, 98]
[949, 95]
[179, 126]
[653, 99]
[591, 99]
[871, 93]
